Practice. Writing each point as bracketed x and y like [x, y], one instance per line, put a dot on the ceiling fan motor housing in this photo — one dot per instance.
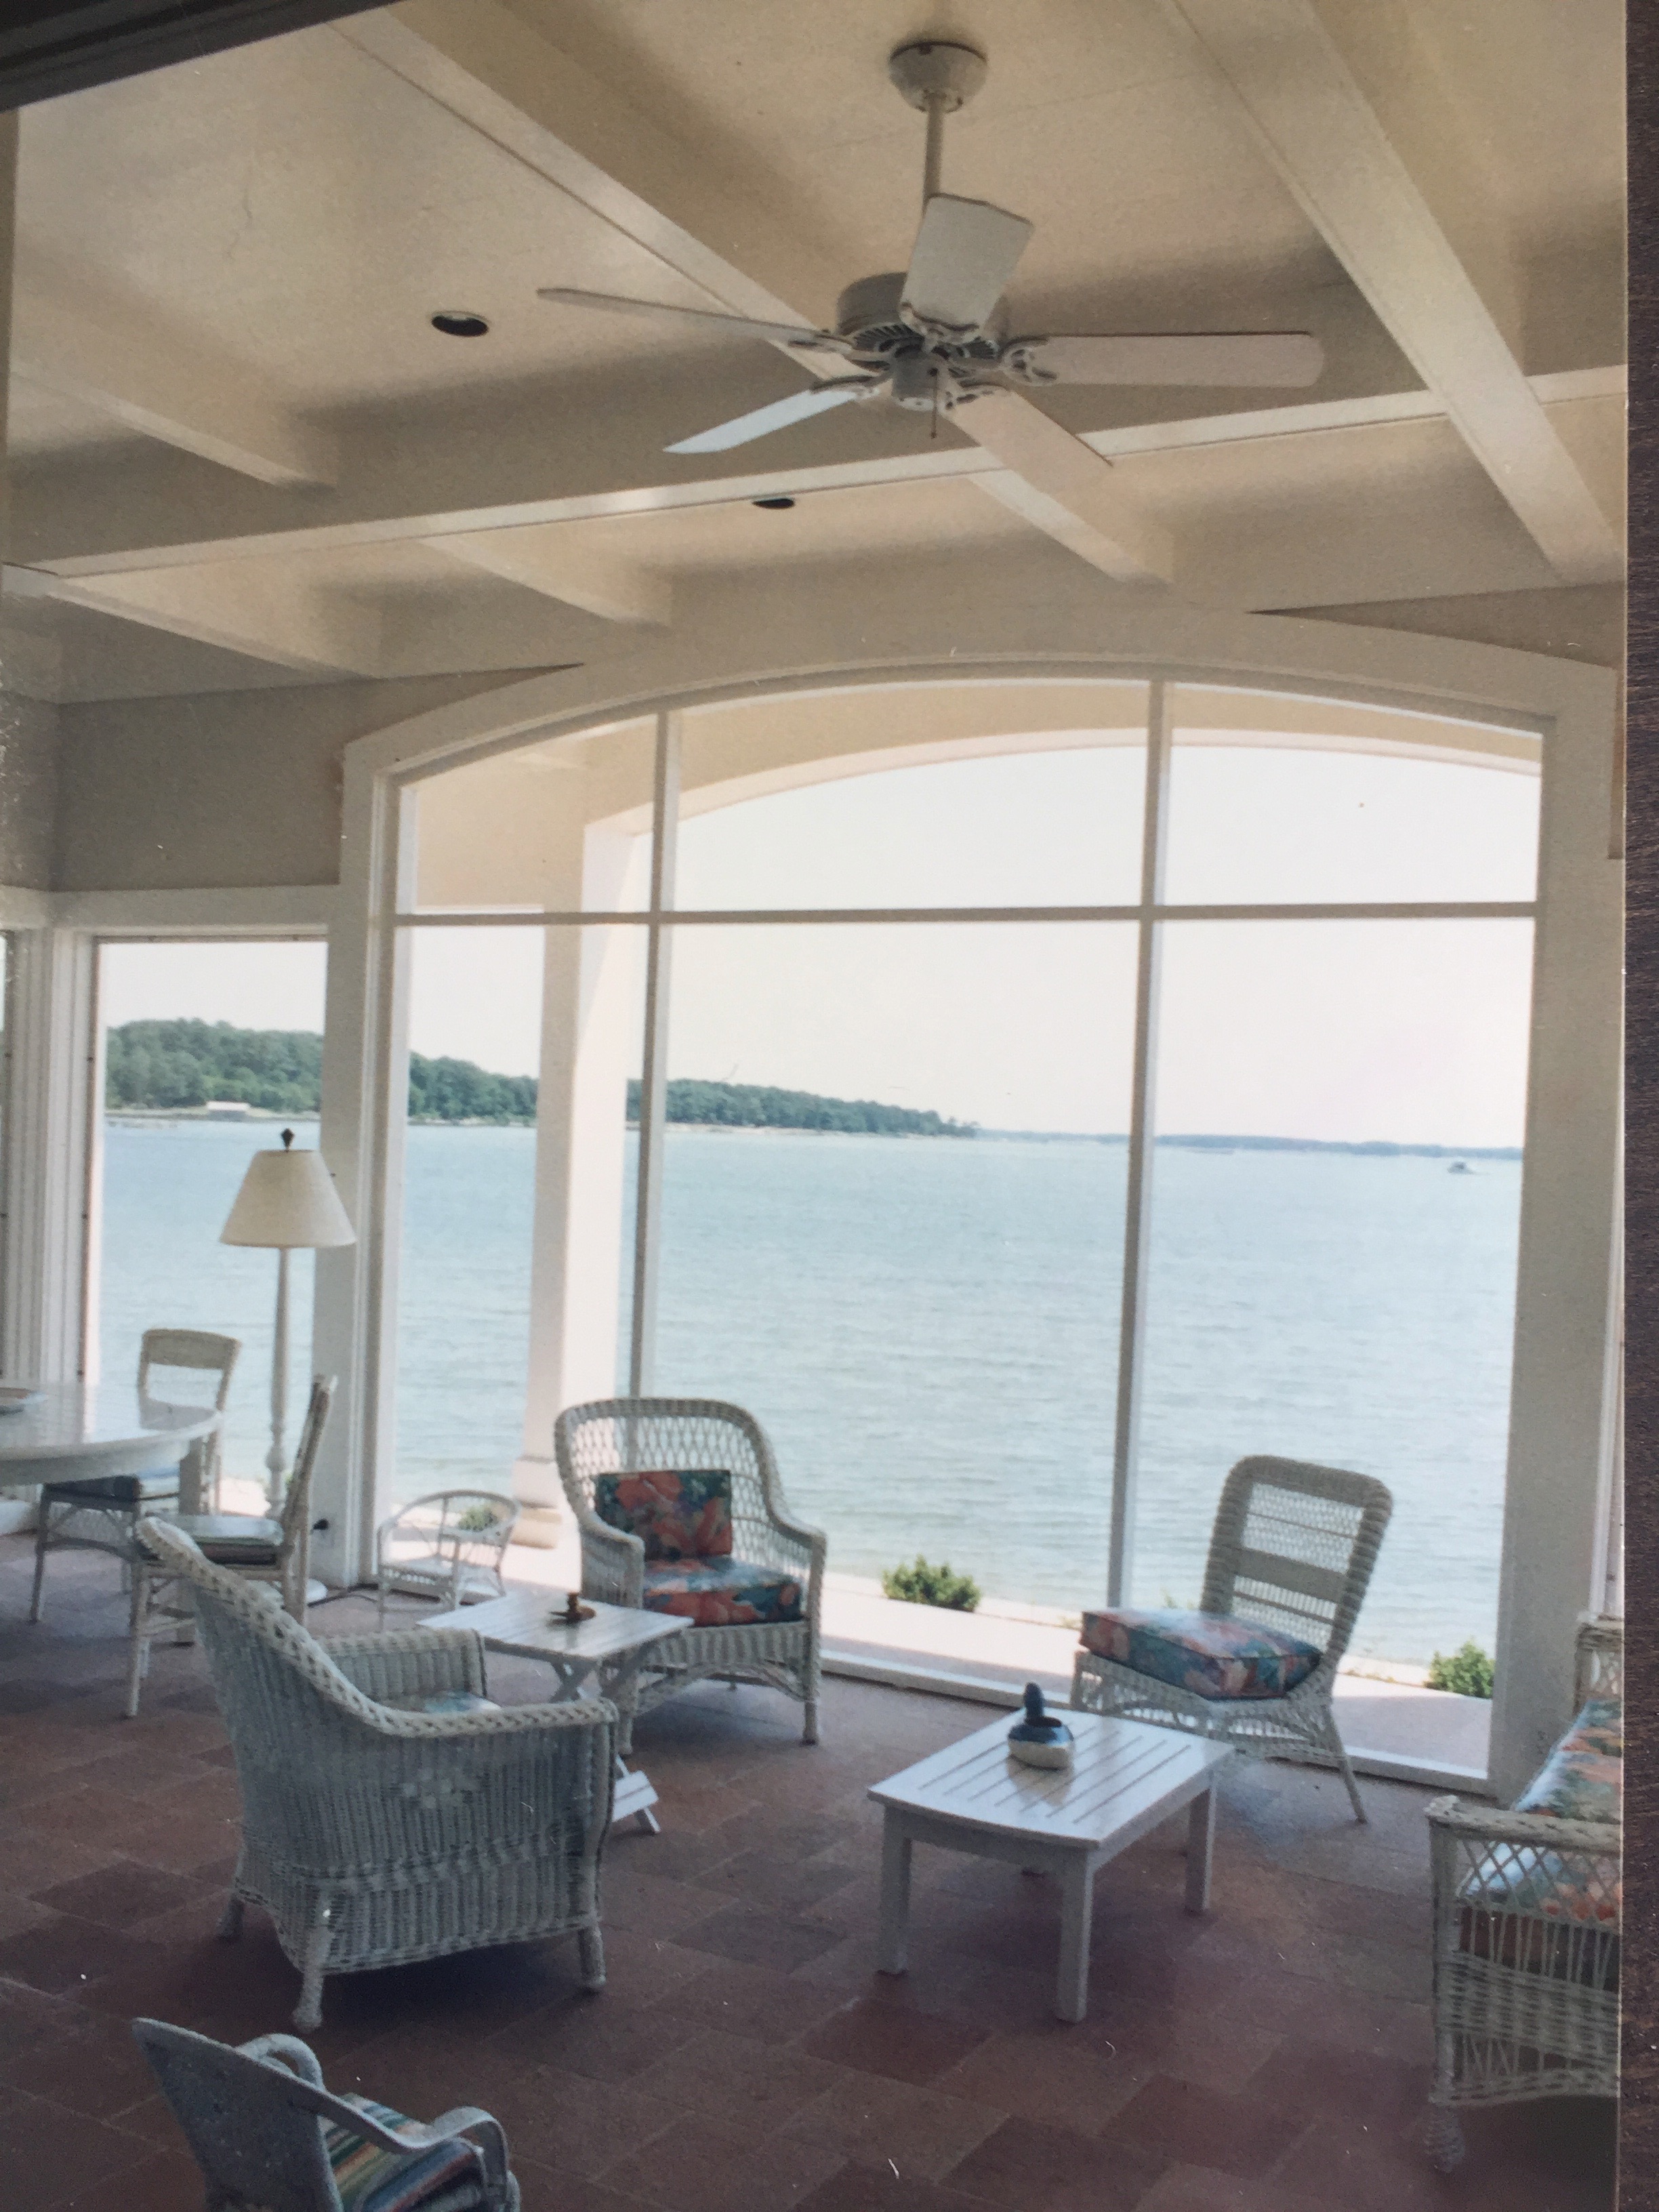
[867, 316]
[937, 71]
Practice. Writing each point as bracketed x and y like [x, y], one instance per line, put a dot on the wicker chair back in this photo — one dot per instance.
[1293, 1547]
[198, 1351]
[254, 2126]
[630, 1435]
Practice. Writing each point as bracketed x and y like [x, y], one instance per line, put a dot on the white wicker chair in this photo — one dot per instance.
[448, 1545]
[627, 1435]
[99, 1514]
[1292, 1549]
[375, 1836]
[269, 2138]
[275, 1552]
[1527, 1916]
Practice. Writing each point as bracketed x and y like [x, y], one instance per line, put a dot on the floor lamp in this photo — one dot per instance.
[287, 1201]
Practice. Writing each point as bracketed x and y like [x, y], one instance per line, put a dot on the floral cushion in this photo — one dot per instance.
[1583, 1779]
[683, 1513]
[442, 2178]
[1210, 1654]
[722, 1593]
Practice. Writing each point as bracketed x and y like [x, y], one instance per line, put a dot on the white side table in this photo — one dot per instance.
[974, 1796]
[603, 1654]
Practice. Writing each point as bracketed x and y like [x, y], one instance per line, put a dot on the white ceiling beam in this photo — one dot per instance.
[1373, 197]
[560, 568]
[485, 65]
[67, 339]
[645, 497]
[239, 606]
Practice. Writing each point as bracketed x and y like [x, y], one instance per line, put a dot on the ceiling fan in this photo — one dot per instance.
[930, 338]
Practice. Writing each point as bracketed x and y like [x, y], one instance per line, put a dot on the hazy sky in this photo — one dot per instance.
[1413, 1031]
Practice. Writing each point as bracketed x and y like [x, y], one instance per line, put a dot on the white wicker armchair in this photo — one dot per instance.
[1292, 1550]
[1527, 1919]
[621, 1436]
[375, 1836]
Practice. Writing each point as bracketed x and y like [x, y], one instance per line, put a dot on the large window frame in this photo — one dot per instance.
[1150, 913]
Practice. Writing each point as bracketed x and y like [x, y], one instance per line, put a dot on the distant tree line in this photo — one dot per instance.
[759, 1106]
[174, 1066]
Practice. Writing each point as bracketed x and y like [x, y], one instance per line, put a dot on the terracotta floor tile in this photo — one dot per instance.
[116, 1896]
[164, 2181]
[599, 2039]
[750, 2001]
[551, 2189]
[859, 2188]
[99, 2069]
[48, 2155]
[703, 2165]
[735, 2080]
[1202, 2188]
[920, 2134]
[776, 1882]
[759, 1938]
[30, 2018]
[1051, 2077]
[80, 1808]
[880, 2038]
[1174, 2118]
[1349, 2164]
[65, 1955]
[1034, 2167]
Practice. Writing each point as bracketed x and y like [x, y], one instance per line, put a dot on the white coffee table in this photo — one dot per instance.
[603, 1655]
[974, 1796]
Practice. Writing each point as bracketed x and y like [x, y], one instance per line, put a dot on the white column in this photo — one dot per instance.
[365, 1106]
[589, 1041]
[49, 1128]
[1562, 1408]
[653, 1074]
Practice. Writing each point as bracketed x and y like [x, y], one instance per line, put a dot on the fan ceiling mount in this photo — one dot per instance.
[931, 337]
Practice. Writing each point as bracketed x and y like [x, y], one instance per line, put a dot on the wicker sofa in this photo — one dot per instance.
[389, 1812]
[1528, 1911]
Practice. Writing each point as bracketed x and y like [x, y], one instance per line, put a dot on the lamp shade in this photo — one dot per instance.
[287, 1201]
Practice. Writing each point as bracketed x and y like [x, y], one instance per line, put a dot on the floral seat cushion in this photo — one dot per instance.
[678, 1513]
[1583, 1779]
[723, 1593]
[440, 2178]
[1210, 1654]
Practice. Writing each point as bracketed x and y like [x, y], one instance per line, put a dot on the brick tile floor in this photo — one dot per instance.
[1271, 2058]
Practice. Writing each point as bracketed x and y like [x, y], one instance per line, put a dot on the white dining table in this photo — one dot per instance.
[77, 1431]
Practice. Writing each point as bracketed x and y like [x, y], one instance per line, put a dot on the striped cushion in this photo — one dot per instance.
[370, 2179]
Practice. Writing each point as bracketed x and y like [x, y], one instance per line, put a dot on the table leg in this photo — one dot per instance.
[1200, 1850]
[1076, 1913]
[895, 1898]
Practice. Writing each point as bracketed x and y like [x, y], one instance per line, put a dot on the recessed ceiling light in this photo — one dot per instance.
[775, 505]
[459, 323]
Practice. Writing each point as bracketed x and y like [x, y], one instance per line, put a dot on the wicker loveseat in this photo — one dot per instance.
[1526, 1920]
[389, 1812]
[720, 1547]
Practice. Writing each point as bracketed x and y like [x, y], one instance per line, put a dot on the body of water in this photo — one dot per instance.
[927, 1328]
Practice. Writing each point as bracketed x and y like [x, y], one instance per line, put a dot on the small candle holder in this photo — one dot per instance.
[574, 1614]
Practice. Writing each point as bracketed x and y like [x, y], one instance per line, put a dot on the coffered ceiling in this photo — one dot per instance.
[241, 454]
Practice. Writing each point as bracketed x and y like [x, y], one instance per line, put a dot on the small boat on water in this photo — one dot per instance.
[1459, 1167]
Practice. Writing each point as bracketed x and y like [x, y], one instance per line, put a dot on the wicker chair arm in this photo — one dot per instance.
[483, 2130]
[1492, 1824]
[613, 1560]
[411, 1663]
[505, 1720]
[298, 2057]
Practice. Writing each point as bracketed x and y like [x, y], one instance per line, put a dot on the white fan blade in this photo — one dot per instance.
[1286, 358]
[1065, 488]
[964, 254]
[779, 416]
[777, 333]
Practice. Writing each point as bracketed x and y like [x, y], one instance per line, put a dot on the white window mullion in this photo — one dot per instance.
[654, 1070]
[1138, 1197]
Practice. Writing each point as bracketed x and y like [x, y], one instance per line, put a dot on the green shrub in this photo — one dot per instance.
[923, 1584]
[1469, 1672]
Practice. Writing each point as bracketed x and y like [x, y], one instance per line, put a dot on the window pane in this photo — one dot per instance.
[1344, 1294]
[1251, 819]
[239, 1025]
[925, 1325]
[476, 1004]
[1056, 825]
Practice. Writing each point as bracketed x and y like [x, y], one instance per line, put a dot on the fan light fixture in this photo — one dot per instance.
[930, 338]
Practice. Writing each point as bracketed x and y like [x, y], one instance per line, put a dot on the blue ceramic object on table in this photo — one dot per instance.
[1040, 1740]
